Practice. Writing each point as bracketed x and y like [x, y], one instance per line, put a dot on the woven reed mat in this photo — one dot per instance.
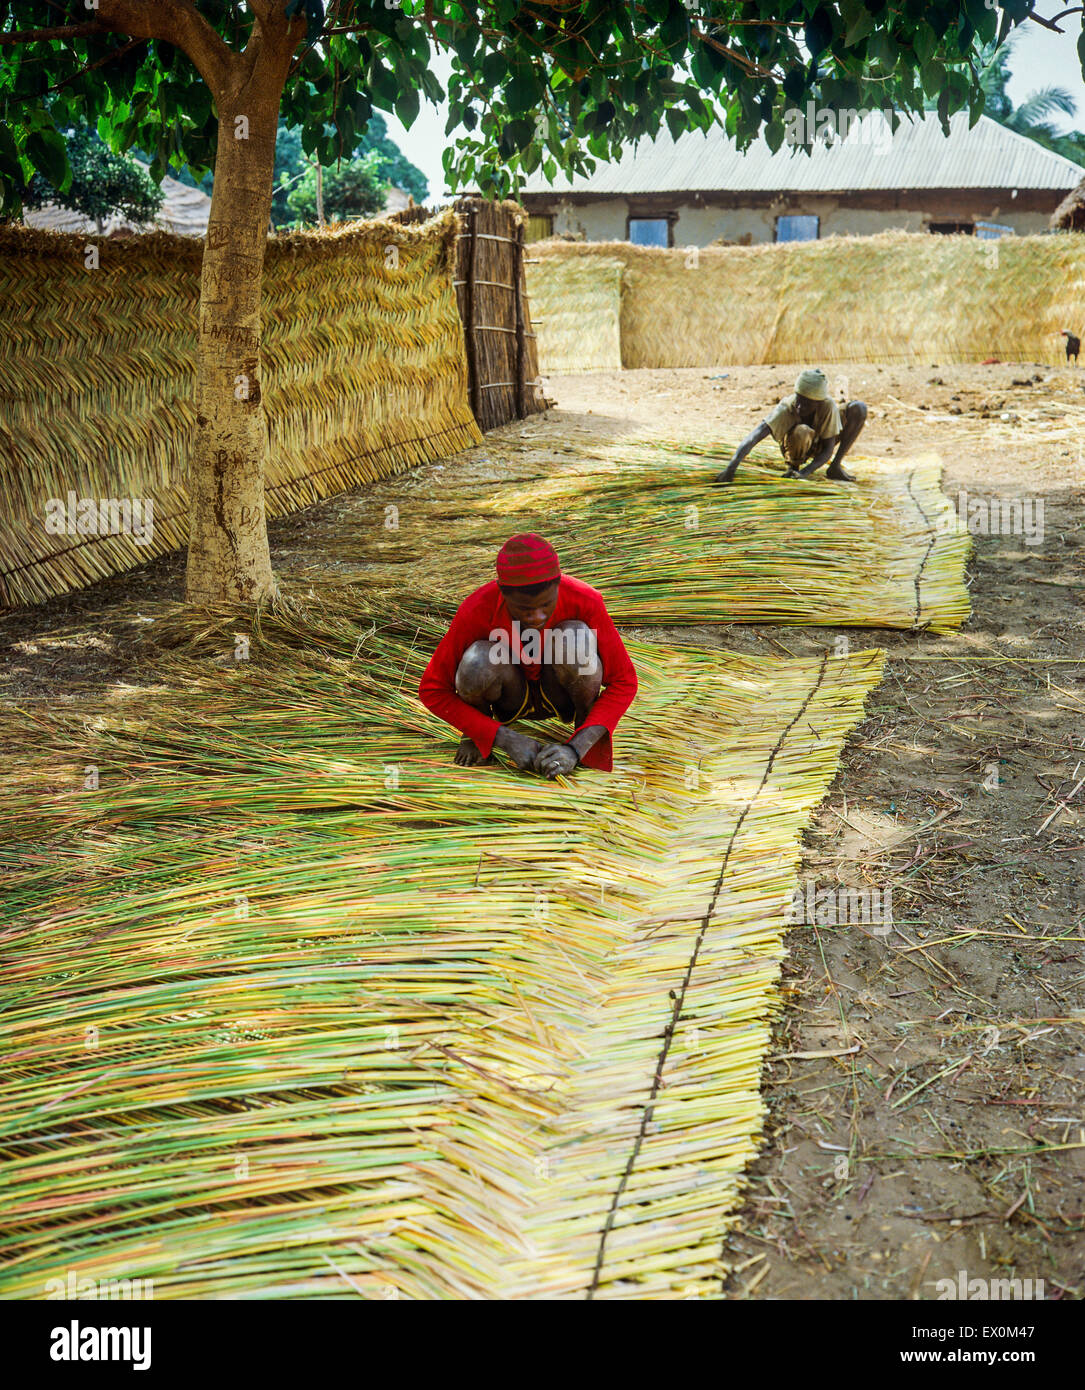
[641, 522]
[296, 1007]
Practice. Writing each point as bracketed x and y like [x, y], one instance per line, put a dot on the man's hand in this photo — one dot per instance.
[522, 750]
[556, 758]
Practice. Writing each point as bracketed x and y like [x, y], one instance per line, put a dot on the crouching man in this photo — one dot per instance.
[534, 644]
[809, 429]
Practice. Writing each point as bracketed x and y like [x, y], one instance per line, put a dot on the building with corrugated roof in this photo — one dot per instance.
[700, 188]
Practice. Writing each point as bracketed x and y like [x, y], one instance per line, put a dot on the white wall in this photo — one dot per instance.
[602, 221]
[697, 226]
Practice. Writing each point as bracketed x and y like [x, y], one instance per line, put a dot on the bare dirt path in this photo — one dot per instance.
[945, 1128]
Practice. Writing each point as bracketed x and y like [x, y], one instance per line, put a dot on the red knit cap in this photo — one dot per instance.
[527, 559]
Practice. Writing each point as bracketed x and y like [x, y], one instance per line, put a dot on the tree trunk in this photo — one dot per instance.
[228, 555]
[319, 195]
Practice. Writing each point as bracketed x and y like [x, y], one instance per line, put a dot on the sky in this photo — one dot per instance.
[1040, 59]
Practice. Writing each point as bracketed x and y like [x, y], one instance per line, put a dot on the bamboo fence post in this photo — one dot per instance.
[517, 273]
[470, 335]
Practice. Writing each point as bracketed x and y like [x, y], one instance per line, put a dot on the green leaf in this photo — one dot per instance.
[46, 150]
[407, 106]
[818, 31]
[9, 154]
[466, 43]
[523, 91]
[312, 132]
[515, 137]
[924, 43]
[604, 115]
[675, 30]
[983, 18]
[383, 83]
[494, 70]
[883, 50]
[432, 88]
[794, 84]
[314, 13]
[859, 28]
[943, 110]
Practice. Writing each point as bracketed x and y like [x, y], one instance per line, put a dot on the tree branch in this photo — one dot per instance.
[60, 31]
[176, 22]
[739, 58]
[99, 62]
[1053, 23]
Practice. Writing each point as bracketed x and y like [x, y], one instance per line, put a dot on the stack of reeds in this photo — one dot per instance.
[642, 522]
[296, 1007]
[364, 376]
[893, 297]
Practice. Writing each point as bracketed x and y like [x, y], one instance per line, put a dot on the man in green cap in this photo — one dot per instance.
[808, 427]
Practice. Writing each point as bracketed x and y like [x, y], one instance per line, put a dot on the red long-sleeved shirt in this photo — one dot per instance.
[484, 612]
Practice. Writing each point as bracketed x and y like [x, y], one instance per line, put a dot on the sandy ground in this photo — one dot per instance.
[926, 1089]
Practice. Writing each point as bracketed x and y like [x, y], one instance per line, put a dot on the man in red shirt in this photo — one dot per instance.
[535, 643]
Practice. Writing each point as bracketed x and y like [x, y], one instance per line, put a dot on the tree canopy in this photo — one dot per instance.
[389, 166]
[351, 189]
[556, 85]
[101, 182]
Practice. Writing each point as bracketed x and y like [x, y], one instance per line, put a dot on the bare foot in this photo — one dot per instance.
[467, 755]
[838, 475]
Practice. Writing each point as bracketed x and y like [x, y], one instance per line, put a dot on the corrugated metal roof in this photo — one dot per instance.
[916, 155]
[184, 210]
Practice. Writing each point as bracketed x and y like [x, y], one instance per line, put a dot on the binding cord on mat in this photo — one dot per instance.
[679, 1001]
[927, 553]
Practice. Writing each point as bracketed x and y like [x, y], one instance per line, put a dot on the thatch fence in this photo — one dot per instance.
[491, 289]
[363, 365]
[896, 298]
